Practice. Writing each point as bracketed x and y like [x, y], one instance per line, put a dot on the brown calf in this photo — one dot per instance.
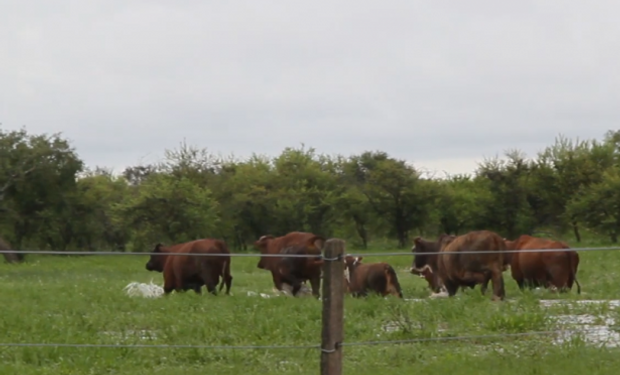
[377, 277]
[554, 269]
[183, 272]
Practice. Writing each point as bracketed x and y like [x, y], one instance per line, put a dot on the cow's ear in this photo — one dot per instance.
[317, 242]
[158, 247]
[417, 240]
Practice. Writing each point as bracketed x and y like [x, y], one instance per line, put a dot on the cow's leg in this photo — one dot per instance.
[209, 276]
[497, 279]
[295, 284]
[228, 281]
[197, 288]
[277, 280]
[178, 284]
[520, 283]
[485, 284]
[315, 283]
[451, 287]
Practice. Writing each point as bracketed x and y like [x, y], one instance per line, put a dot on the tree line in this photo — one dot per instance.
[50, 200]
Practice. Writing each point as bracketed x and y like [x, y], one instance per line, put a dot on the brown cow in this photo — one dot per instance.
[377, 277]
[463, 270]
[556, 269]
[268, 244]
[184, 272]
[293, 271]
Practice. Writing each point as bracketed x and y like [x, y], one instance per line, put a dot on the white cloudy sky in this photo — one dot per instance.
[440, 83]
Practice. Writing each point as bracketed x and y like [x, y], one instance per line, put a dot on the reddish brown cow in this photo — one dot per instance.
[554, 269]
[292, 271]
[463, 270]
[183, 272]
[377, 277]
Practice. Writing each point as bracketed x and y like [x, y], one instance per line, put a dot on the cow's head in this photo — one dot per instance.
[350, 265]
[424, 253]
[156, 261]
[262, 244]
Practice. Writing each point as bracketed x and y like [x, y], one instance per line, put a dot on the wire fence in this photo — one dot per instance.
[315, 256]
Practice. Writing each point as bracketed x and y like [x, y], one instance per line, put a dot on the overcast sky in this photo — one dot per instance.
[439, 83]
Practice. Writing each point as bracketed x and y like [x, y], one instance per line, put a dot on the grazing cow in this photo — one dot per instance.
[556, 269]
[269, 244]
[377, 277]
[453, 270]
[293, 271]
[429, 270]
[184, 272]
[10, 257]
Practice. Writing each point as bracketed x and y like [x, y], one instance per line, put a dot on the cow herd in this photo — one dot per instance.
[450, 263]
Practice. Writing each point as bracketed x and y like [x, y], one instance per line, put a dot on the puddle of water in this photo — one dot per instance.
[552, 302]
[592, 329]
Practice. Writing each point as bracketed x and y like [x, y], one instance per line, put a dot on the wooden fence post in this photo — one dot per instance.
[332, 295]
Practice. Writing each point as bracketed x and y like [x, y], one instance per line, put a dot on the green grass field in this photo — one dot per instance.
[81, 300]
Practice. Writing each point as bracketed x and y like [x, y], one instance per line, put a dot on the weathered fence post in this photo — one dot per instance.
[332, 333]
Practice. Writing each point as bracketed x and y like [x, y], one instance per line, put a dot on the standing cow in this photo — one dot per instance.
[376, 277]
[184, 272]
[452, 270]
[292, 271]
[553, 269]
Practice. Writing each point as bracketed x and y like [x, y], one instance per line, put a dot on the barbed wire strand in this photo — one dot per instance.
[316, 256]
[305, 347]
[160, 346]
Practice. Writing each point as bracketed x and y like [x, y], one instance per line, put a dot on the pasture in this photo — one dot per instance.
[80, 300]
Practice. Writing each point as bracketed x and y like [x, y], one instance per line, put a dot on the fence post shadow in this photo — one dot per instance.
[332, 295]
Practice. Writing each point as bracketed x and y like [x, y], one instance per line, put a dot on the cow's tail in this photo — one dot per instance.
[392, 285]
[572, 272]
[225, 264]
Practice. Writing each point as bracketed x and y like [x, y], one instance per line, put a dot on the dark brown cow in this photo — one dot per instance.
[293, 271]
[377, 277]
[463, 270]
[184, 272]
[556, 269]
[268, 244]
[429, 270]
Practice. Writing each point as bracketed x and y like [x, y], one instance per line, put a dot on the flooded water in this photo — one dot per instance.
[597, 330]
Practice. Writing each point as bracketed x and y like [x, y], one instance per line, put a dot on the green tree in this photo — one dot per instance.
[169, 209]
[598, 205]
